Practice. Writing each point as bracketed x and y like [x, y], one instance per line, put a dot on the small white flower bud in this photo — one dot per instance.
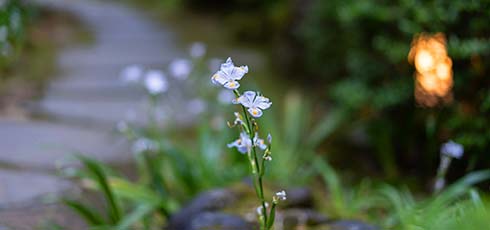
[259, 209]
[281, 195]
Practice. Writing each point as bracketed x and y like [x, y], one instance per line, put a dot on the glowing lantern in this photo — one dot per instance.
[434, 76]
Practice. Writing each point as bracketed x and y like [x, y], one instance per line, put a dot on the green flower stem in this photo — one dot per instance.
[256, 170]
[272, 216]
[441, 173]
[156, 179]
[152, 119]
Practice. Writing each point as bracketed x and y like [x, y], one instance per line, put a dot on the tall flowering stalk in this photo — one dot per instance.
[249, 142]
[449, 150]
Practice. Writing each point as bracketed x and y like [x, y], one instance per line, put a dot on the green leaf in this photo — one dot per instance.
[100, 177]
[141, 194]
[463, 185]
[327, 126]
[134, 191]
[272, 216]
[140, 212]
[333, 183]
[89, 215]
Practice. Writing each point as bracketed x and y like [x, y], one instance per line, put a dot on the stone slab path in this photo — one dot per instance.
[84, 103]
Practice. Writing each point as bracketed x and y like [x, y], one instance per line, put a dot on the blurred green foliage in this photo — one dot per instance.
[14, 15]
[459, 206]
[354, 54]
[359, 48]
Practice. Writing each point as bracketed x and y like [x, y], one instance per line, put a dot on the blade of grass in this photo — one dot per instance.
[331, 179]
[89, 215]
[139, 213]
[115, 213]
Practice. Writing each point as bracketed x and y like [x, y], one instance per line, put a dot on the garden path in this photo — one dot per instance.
[80, 108]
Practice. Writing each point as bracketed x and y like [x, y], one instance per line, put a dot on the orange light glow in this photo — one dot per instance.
[434, 76]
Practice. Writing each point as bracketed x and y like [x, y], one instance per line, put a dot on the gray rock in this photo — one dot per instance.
[213, 200]
[290, 218]
[218, 221]
[351, 225]
[299, 198]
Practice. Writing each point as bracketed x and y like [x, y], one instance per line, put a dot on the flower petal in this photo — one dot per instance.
[247, 98]
[228, 67]
[262, 102]
[255, 112]
[232, 85]
[259, 142]
[239, 72]
[219, 78]
[233, 144]
[243, 149]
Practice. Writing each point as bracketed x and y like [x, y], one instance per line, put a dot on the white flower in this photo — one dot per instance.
[132, 73]
[180, 68]
[142, 145]
[229, 74]
[196, 106]
[259, 142]
[3, 33]
[155, 82]
[452, 149]
[280, 195]
[225, 96]
[254, 102]
[243, 144]
[268, 158]
[238, 119]
[197, 49]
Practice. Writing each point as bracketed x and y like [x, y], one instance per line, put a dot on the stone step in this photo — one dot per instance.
[18, 188]
[44, 145]
[93, 111]
[90, 91]
[96, 58]
[40, 217]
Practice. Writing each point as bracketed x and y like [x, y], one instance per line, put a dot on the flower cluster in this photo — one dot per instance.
[249, 142]
[154, 81]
